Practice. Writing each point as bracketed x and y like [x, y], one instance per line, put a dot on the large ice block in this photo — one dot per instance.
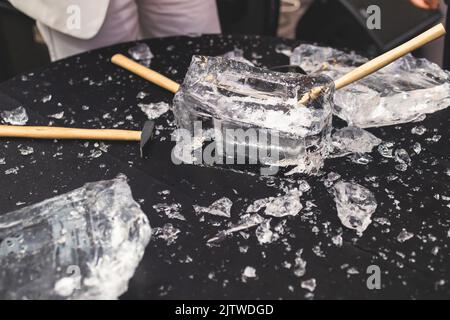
[227, 95]
[85, 244]
[403, 91]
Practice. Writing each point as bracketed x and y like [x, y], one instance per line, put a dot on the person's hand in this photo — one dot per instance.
[426, 4]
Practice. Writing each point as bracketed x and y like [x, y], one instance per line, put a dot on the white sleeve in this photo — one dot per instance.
[81, 19]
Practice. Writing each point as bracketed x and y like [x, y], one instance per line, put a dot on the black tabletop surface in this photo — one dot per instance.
[415, 200]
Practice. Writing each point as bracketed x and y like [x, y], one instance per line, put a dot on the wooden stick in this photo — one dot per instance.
[145, 73]
[68, 133]
[381, 61]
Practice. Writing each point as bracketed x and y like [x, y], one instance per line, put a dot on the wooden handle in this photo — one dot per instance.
[145, 73]
[68, 133]
[390, 56]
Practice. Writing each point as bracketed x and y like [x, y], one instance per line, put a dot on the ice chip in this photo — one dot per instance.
[352, 140]
[85, 244]
[404, 236]
[355, 205]
[257, 111]
[16, 117]
[141, 52]
[264, 234]
[237, 55]
[167, 233]
[221, 207]
[154, 110]
[287, 205]
[403, 91]
[309, 285]
[300, 264]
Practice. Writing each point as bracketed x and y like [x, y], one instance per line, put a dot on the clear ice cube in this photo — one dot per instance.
[355, 205]
[403, 91]
[85, 244]
[229, 96]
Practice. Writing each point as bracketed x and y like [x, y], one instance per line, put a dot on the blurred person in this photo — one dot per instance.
[70, 27]
[434, 5]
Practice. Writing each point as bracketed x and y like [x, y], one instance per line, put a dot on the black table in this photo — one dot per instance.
[417, 268]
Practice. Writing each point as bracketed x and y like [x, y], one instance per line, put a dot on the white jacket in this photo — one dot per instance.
[61, 14]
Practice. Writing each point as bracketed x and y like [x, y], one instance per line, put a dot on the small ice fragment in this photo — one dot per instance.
[401, 156]
[95, 154]
[304, 186]
[221, 207]
[404, 236]
[16, 117]
[355, 205]
[386, 149]
[246, 222]
[14, 170]
[237, 55]
[264, 234]
[58, 115]
[154, 110]
[417, 148]
[420, 130]
[47, 98]
[2, 161]
[331, 178]
[309, 285]
[172, 211]
[142, 53]
[249, 273]
[168, 233]
[141, 95]
[361, 158]
[85, 244]
[337, 240]
[85, 107]
[353, 140]
[287, 205]
[283, 49]
[300, 264]
[25, 151]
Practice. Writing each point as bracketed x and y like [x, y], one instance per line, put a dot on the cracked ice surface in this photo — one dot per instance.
[85, 244]
[403, 91]
[355, 205]
[227, 96]
[16, 117]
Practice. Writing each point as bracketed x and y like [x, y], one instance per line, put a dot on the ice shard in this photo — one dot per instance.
[352, 140]
[403, 91]
[355, 205]
[85, 244]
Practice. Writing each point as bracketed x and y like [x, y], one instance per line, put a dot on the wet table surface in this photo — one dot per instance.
[415, 200]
